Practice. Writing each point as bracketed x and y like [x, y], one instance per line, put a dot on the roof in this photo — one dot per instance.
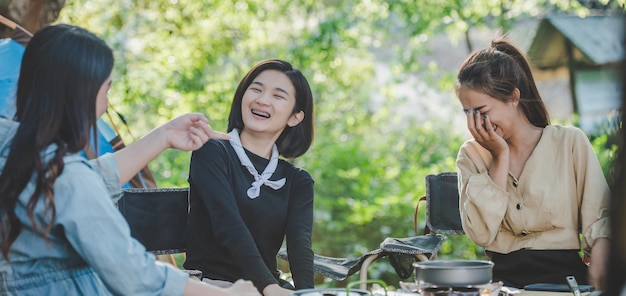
[597, 40]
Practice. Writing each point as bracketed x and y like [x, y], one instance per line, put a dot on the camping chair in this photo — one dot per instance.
[158, 219]
[20, 34]
[402, 253]
[442, 205]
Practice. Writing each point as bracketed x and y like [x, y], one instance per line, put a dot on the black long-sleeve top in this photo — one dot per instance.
[234, 237]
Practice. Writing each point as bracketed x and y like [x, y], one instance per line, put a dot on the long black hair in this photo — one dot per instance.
[293, 141]
[62, 71]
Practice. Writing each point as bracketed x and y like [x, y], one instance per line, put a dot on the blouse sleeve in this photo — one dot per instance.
[299, 231]
[593, 192]
[482, 203]
[106, 167]
[99, 233]
[211, 163]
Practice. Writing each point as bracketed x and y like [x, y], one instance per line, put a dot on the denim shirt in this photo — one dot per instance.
[89, 250]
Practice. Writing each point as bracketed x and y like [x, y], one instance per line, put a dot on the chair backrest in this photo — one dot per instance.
[442, 204]
[157, 217]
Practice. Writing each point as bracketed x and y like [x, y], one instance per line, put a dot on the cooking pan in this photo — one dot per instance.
[453, 273]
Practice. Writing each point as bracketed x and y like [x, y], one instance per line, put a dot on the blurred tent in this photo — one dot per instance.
[108, 136]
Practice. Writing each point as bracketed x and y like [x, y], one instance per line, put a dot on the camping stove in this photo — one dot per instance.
[449, 291]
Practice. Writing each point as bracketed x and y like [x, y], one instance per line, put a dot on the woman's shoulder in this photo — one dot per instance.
[78, 171]
[469, 143]
[472, 148]
[563, 132]
[216, 144]
[78, 184]
[214, 147]
[291, 168]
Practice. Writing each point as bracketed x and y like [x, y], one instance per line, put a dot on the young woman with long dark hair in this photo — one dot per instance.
[60, 232]
[528, 188]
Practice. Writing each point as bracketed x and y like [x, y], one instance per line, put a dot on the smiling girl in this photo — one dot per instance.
[244, 199]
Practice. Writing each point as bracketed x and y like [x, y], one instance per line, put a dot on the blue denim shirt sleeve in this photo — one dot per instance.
[100, 234]
[106, 167]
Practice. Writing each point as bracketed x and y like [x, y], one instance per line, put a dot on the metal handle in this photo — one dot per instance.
[381, 283]
[573, 285]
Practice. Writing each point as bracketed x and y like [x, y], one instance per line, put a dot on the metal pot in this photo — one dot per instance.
[453, 273]
[330, 292]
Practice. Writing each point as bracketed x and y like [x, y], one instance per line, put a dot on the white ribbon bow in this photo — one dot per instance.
[259, 179]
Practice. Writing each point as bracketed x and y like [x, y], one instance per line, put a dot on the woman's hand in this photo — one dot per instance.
[187, 132]
[275, 290]
[483, 132]
[190, 131]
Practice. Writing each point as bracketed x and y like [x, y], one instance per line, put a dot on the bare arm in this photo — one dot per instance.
[187, 132]
[598, 263]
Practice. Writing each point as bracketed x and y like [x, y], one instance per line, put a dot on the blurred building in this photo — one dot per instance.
[579, 59]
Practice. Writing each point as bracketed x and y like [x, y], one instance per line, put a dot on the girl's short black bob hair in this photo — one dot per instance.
[294, 141]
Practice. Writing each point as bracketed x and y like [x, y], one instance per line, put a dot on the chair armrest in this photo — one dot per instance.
[417, 207]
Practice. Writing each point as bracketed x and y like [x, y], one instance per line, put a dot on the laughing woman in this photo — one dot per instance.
[244, 200]
[528, 189]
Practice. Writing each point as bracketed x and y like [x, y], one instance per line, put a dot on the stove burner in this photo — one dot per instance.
[449, 291]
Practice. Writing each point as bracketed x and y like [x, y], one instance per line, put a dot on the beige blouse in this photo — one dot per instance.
[560, 193]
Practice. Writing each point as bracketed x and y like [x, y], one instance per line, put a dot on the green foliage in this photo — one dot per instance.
[605, 146]
[374, 143]
[374, 184]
